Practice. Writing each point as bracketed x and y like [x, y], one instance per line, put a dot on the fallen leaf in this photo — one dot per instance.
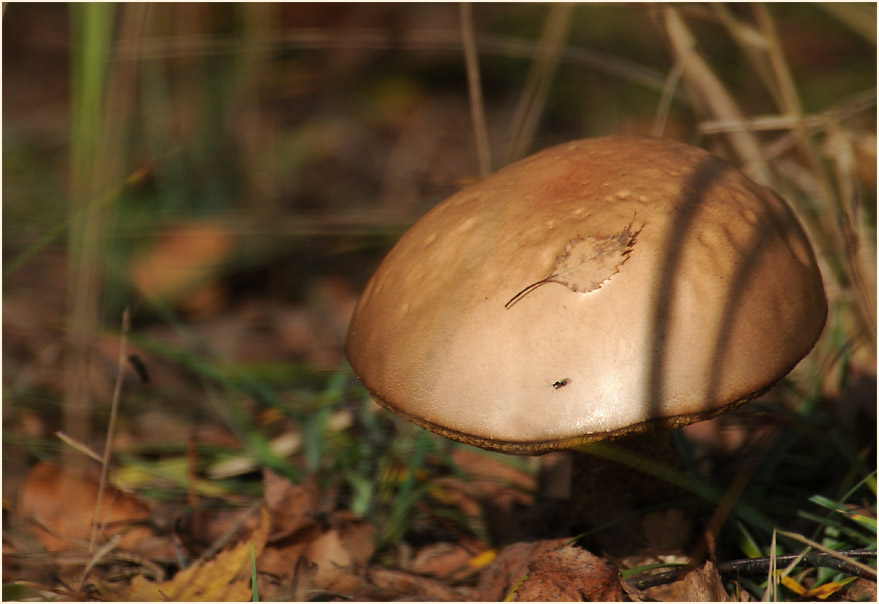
[698, 585]
[861, 590]
[483, 559]
[569, 574]
[225, 578]
[333, 562]
[510, 567]
[822, 592]
[794, 585]
[59, 507]
[586, 263]
[453, 562]
[320, 557]
[392, 585]
[341, 556]
[826, 590]
[284, 570]
[179, 269]
[291, 506]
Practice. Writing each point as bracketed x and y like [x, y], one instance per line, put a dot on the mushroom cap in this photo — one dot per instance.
[596, 289]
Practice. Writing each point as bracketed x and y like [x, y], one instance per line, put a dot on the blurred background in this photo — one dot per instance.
[233, 173]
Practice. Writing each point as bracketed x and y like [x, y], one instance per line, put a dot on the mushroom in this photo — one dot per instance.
[601, 289]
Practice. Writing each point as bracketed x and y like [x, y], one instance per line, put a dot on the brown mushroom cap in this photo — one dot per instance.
[593, 290]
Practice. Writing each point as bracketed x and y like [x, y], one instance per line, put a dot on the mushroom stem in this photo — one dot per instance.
[627, 495]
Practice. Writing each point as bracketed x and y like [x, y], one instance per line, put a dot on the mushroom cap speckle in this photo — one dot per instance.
[595, 289]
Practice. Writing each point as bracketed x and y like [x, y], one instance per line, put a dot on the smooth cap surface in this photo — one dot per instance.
[594, 289]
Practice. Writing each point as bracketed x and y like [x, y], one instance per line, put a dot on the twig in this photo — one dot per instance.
[111, 428]
[831, 553]
[474, 87]
[759, 566]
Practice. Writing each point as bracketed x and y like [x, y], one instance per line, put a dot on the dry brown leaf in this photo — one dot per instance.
[334, 563]
[586, 263]
[179, 268]
[510, 567]
[318, 559]
[449, 561]
[358, 537]
[284, 570]
[861, 590]
[292, 507]
[569, 574]
[59, 506]
[341, 556]
[393, 585]
[225, 578]
[698, 585]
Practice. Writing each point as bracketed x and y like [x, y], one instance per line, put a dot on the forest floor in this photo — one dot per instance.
[179, 419]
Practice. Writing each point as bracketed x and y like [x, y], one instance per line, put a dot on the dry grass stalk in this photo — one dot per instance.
[860, 17]
[538, 83]
[672, 81]
[710, 92]
[111, 427]
[832, 219]
[97, 167]
[837, 230]
[78, 446]
[474, 88]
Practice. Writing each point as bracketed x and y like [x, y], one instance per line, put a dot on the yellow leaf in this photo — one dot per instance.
[226, 578]
[794, 586]
[828, 589]
[822, 591]
[483, 559]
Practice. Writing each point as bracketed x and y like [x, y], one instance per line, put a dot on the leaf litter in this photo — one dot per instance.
[306, 548]
[225, 578]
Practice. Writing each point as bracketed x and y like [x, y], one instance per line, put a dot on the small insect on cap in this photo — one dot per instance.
[598, 288]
